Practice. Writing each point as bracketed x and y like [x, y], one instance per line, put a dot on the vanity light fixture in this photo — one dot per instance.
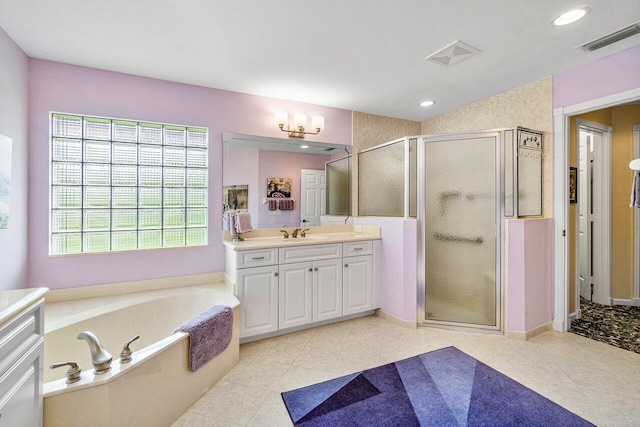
[571, 16]
[299, 124]
[427, 103]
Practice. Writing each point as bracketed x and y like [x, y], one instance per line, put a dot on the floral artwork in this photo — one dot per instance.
[235, 197]
[279, 187]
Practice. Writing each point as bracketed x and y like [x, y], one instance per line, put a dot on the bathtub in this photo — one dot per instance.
[157, 386]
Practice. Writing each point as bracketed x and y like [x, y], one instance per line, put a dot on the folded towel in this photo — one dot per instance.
[635, 190]
[209, 335]
[286, 204]
[273, 205]
[243, 222]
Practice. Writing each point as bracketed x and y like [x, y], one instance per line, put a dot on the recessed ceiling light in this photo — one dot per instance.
[304, 146]
[571, 16]
[427, 103]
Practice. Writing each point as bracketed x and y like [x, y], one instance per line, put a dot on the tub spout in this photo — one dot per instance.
[100, 357]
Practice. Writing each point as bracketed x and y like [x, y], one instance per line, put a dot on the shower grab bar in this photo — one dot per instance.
[458, 239]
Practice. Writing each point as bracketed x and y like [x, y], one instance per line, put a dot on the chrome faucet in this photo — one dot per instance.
[100, 357]
[295, 233]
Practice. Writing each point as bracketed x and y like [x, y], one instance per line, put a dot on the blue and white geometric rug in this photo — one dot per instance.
[444, 387]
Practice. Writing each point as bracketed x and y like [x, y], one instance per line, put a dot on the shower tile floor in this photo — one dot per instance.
[599, 382]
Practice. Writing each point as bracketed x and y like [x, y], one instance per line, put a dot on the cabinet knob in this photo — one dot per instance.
[315, 269]
[275, 274]
[311, 269]
[346, 265]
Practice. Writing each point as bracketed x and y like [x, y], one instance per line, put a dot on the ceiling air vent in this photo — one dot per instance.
[452, 54]
[612, 38]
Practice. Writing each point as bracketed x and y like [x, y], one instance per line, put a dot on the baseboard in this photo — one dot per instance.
[626, 301]
[396, 320]
[523, 336]
[576, 315]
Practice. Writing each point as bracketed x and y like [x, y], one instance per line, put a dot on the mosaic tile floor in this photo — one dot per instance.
[616, 325]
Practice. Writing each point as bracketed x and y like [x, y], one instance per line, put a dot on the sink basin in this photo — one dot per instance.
[315, 237]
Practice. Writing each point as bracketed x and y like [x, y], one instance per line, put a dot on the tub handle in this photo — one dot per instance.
[73, 373]
[125, 354]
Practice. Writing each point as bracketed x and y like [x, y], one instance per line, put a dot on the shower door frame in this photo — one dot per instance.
[499, 219]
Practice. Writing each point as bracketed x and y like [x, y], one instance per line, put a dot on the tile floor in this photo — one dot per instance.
[594, 380]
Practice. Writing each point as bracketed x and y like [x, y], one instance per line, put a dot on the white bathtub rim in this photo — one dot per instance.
[88, 377]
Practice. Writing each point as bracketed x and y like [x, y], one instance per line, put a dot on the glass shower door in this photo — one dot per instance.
[460, 226]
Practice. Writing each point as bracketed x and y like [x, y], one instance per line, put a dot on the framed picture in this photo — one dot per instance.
[235, 197]
[279, 187]
[573, 185]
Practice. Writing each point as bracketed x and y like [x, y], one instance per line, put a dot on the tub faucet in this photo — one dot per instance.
[100, 357]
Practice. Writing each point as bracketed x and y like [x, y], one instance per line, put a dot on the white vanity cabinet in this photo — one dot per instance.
[21, 359]
[297, 286]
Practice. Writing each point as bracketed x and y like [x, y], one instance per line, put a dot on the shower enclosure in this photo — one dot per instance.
[460, 187]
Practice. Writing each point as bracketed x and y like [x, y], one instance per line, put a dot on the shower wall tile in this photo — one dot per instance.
[530, 106]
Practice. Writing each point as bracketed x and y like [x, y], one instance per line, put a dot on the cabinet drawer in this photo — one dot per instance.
[18, 334]
[310, 253]
[358, 248]
[257, 258]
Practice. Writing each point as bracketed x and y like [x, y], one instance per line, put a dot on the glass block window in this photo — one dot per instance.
[123, 185]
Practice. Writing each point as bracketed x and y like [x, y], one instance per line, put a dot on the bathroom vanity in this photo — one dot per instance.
[21, 347]
[285, 285]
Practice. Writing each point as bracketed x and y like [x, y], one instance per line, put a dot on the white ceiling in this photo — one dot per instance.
[363, 55]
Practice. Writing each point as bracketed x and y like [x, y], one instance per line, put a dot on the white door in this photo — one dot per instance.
[295, 294]
[258, 294]
[313, 189]
[327, 289]
[585, 215]
[357, 276]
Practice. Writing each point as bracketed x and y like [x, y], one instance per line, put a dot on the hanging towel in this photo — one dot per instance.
[243, 222]
[273, 205]
[209, 335]
[231, 217]
[635, 190]
[286, 204]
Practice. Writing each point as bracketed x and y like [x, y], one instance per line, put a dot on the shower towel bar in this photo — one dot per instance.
[458, 239]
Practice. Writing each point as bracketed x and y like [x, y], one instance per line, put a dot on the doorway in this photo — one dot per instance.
[593, 224]
[313, 191]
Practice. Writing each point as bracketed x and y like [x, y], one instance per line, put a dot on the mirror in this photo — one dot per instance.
[280, 183]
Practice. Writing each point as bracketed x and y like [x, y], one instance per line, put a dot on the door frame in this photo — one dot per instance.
[561, 116]
[636, 227]
[499, 209]
[601, 201]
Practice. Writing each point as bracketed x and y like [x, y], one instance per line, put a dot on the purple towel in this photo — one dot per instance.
[209, 334]
[635, 190]
[243, 222]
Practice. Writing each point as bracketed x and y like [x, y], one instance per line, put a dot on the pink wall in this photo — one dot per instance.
[274, 164]
[241, 168]
[605, 76]
[398, 293]
[14, 84]
[529, 284]
[72, 89]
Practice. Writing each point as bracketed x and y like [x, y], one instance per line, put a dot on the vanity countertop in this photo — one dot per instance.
[14, 301]
[319, 236]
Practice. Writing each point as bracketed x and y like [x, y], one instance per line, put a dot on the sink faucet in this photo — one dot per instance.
[295, 233]
[303, 232]
[100, 357]
[285, 231]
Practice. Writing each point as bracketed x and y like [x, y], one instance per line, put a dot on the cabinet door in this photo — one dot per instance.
[358, 284]
[258, 294]
[327, 289]
[295, 294]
